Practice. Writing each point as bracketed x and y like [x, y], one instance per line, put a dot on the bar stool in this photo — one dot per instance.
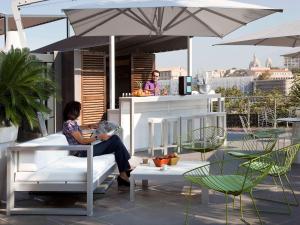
[189, 128]
[151, 123]
[172, 123]
[165, 124]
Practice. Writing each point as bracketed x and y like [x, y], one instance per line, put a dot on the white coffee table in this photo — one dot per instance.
[173, 173]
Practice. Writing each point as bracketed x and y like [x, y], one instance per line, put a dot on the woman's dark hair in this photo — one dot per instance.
[72, 110]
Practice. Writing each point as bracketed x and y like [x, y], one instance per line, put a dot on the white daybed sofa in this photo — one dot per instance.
[44, 164]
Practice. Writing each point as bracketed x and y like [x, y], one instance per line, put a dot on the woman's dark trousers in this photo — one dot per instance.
[116, 146]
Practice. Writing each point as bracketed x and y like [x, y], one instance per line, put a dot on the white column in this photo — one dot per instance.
[18, 21]
[189, 56]
[77, 78]
[112, 72]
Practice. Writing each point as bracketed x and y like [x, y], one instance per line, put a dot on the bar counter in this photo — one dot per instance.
[135, 111]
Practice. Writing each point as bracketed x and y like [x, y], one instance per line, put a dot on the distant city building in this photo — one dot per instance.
[268, 63]
[213, 74]
[273, 74]
[283, 85]
[171, 73]
[245, 84]
[255, 77]
[292, 60]
[254, 63]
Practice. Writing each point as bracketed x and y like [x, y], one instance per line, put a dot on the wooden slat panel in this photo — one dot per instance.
[93, 87]
[141, 67]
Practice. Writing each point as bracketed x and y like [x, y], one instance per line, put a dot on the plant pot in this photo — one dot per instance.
[8, 136]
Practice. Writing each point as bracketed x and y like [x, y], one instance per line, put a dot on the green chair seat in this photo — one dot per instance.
[230, 184]
[269, 132]
[204, 140]
[201, 147]
[243, 155]
[250, 148]
[275, 170]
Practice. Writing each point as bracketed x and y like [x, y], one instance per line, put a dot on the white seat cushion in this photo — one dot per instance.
[68, 169]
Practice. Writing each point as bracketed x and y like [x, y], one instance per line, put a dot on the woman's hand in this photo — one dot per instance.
[103, 137]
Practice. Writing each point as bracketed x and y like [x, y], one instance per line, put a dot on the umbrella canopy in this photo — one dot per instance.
[292, 55]
[124, 44]
[27, 21]
[285, 35]
[205, 18]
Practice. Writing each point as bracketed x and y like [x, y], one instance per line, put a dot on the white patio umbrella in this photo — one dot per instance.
[284, 35]
[202, 18]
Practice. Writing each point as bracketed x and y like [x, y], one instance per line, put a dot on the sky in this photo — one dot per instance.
[205, 56]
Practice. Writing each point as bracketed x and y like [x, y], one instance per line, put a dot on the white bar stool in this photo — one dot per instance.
[151, 123]
[172, 123]
[165, 124]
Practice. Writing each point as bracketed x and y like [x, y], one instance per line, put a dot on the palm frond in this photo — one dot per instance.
[24, 86]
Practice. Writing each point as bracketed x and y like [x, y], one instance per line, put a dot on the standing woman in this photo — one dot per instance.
[109, 144]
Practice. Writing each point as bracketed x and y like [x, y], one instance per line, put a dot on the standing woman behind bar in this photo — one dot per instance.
[109, 144]
[152, 85]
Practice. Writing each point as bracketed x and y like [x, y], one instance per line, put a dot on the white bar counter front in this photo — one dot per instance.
[135, 111]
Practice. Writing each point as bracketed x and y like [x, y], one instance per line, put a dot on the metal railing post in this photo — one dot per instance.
[275, 113]
[248, 116]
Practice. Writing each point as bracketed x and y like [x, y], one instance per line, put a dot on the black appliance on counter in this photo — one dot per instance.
[185, 85]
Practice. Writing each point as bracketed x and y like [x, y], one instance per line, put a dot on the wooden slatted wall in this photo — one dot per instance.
[141, 68]
[93, 87]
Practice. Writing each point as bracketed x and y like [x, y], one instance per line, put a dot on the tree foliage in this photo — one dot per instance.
[295, 93]
[237, 102]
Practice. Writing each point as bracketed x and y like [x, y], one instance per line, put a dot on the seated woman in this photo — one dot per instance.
[109, 144]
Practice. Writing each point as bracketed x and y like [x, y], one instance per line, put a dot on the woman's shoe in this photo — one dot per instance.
[122, 182]
[128, 172]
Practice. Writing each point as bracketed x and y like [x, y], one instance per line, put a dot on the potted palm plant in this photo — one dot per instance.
[24, 86]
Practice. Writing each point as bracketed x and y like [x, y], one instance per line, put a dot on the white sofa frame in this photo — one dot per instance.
[89, 186]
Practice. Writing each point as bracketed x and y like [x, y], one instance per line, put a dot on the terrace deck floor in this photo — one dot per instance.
[161, 204]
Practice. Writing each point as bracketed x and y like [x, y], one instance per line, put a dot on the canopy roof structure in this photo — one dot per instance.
[124, 44]
[292, 55]
[284, 35]
[28, 21]
[203, 18]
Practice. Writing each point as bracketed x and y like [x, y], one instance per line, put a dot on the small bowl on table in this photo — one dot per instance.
[159, 162]
[173, 161]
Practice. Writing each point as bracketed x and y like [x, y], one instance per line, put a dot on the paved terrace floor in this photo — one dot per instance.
[162, 204]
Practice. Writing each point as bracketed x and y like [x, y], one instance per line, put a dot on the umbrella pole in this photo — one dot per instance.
[112, 71]
[189, 55]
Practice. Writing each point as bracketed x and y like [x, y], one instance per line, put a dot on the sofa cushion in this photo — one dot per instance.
[35, 160]
[69, 168]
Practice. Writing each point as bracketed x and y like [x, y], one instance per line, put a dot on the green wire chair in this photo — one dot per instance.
[236, 183]
[205, 140]
[282, 160]
[250, 149]
[260, 134]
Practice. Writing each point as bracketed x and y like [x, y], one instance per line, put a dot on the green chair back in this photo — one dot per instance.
[281, 159]
[206, 139]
